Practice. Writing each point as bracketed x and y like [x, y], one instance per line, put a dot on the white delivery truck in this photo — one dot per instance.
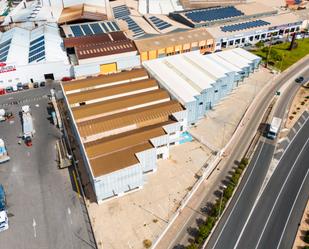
[28, 131]
[274, 128]
[4, 157]
[4, 221]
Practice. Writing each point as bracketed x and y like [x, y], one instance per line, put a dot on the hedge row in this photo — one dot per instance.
[218, 207]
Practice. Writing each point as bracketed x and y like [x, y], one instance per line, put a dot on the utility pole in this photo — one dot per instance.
[269, 48]
[224, 187]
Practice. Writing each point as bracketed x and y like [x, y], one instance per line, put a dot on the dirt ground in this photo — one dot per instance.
[299, 105]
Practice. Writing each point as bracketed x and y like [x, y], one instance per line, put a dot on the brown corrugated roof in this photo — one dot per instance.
[111, 90]
[103, 49]
[100, 109]
[82, 12]
[105, 126]
[172, 39]
[104, 80]
[124, 140]
[116, 161]
[100, 44]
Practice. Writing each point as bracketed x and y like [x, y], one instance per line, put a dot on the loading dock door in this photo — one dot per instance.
[49, 76]
[108, 68]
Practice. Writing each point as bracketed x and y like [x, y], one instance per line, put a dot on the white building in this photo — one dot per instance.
[198, 81]
[251, 31]
[28, 56]
[123, 123]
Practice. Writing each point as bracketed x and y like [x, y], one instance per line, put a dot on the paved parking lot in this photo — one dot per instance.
[44, 210]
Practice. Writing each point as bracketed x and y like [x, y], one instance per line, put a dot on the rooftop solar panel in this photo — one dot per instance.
[77, 31]
[86, 29]
[116, 27]
[110, 26]
[121, 11]
[158, 23]
[211, 14]
[37, 40]
[133, 26]
[244, 25]
[96, 28]
[105, 28]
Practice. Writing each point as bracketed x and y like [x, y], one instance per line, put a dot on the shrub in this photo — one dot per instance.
[291, 117]
[204, 231]
[147, 243]
[192, 246]
[238, 171]
[228, 192]
[302, 103]
[306, 247]
[298, 108]
[242, 166]
[210, 222]
[245, 161]
[235, 178]
[294, 113]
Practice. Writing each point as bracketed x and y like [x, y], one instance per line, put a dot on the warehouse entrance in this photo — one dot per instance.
[49, 76]
[108, 68]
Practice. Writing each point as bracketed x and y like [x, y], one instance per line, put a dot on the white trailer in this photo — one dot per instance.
[4, 221]
[28, 130]
[4, 157]
[274, 128]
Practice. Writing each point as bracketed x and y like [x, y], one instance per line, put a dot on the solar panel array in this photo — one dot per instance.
[94, 28]
[121, 11]
[244, 25]
[212, 14]
[37, 49]
[160, 24]
[133, 26]
[4, 50]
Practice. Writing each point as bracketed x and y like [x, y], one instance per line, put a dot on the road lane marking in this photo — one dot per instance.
[228, 218]
[286, 223]
[282, 187]
[34, 227]
[262, 190]
[69, 213]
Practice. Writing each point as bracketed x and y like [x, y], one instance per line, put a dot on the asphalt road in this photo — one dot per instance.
[233, 224]
[274, 221]
[44, 210]
[240, 145]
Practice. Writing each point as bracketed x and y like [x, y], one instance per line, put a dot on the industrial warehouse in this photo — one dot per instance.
[198, 81]
[29, 56]
[123, 124]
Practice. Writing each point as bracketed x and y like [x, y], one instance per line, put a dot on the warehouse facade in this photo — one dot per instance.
[198, 81]
[101, 53]
[31, 55]
[174, 43]
[123, 123]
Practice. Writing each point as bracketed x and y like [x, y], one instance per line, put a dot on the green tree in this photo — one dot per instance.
[10, 3]
[244, 161]
[235, 178]
[228, 191]
[259, 44]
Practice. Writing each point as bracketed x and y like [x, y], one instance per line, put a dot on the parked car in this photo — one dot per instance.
[35, 84]
[25, 86]
[19, 86]
[9, 89]
[2, 91]
[42, 83]
[67, 79]
[299, 79]
[15, 89]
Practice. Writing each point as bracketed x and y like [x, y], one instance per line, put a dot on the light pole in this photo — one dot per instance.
[224, 187]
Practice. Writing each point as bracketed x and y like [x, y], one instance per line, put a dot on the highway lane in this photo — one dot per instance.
[286, 192]
[240, 145]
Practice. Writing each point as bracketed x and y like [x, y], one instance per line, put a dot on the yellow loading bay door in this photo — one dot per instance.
[108, 68]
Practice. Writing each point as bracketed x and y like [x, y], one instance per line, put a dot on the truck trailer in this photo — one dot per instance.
[4, 221]
[28, 131]
[274, 128]
[4, 157]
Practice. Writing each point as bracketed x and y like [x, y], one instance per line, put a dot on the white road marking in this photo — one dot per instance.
[282, 187]
[216, 242]
[34, 228]
[69, 213]
[286, 223]
[261, 192]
